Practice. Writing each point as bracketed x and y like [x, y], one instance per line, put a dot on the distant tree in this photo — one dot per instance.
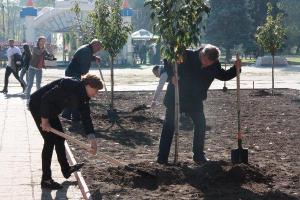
[229, 24]
[258, 11]
[271, 35]
[83, 28]
[110, 29]
[141, 18]
[291, 8]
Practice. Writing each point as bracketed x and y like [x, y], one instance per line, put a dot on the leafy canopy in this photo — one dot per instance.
[271, 35]
[178, 24]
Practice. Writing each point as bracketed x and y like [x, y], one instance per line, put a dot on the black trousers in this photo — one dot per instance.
[167, 134]
[50, 141]
[8, 72]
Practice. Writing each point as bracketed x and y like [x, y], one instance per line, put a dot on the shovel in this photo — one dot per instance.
[102, 155]
[239, 155]
[224, 87]
[111, 113]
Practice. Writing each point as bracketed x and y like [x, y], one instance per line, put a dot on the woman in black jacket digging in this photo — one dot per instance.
[46, 104]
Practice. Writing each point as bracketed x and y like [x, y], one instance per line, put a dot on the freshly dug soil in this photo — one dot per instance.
[271, 132]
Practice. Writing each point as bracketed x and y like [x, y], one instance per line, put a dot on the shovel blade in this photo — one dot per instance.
[239, 155]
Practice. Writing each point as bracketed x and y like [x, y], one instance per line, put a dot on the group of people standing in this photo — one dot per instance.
[70, 96]
[29, 63]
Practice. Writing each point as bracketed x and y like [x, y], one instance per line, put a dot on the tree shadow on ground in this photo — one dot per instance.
[16, 95]
[126, 137]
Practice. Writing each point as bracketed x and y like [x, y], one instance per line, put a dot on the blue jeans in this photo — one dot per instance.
[32, 72]
[22, 74]
[167, 134]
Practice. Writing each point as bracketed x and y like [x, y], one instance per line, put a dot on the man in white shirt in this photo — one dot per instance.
[161, 73]
[11, 65]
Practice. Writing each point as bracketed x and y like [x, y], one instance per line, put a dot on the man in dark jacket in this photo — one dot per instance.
[80, 65]
[196, 74]
[81, 61]
[46, 104]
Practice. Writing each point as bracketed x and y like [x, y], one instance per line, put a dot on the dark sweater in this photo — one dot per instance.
[194, 82]
[81, 62]
[25, 60]
[50, 100]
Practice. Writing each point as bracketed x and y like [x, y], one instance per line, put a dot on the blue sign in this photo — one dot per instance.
[127, 12]
[28, 11]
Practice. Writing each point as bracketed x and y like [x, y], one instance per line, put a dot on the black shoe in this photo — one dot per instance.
[162, 161]
[72, 169]
[51, 184]
[4, 91]
[200, 160]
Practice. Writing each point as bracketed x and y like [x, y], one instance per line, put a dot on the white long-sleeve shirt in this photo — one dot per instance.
[10, 52]
[162, 80]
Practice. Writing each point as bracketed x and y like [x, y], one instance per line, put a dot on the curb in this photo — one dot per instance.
[81, 182]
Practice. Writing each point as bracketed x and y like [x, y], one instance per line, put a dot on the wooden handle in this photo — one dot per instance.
[239, 135]
[75, 141]
[176, 125]
[102, 77]
[87, 147]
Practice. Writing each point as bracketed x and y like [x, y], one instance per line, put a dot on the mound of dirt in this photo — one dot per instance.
[185, 173]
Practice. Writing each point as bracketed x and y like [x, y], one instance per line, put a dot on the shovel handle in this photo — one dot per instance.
[87, 147]
[75, 141]
[239, 134]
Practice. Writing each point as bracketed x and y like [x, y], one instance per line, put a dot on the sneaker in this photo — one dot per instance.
[4, 91]
[162, 161]
[51, 184]
[72, 169]
[201, 160]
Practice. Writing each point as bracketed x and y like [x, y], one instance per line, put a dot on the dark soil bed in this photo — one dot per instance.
[271, 129]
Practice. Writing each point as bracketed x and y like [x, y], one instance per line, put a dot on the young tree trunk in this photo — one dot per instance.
[64, 47]
[228, 54]
[176, 125]
[273, 62]
[112, 82]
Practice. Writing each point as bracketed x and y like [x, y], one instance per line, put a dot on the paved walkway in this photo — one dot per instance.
[20, 154]
[132, 79]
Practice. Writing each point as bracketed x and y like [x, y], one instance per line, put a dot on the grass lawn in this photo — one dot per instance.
[293, 60]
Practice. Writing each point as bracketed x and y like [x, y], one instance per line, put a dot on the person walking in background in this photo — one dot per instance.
[26, 56]
[37, 63]
[80, 65]
[13, 53]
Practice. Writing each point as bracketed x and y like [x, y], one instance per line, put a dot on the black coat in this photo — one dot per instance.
[25, 60]
[50, 100]
[81, 62]
[194, 82]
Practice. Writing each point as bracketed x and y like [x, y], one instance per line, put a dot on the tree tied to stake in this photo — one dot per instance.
[178, 25]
